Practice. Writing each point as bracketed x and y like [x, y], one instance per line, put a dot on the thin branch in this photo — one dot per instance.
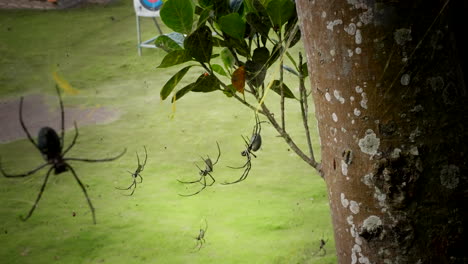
[305, 110]
[283, 121]
[289, 140]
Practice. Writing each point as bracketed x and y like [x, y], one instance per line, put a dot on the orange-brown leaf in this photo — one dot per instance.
[238, 79]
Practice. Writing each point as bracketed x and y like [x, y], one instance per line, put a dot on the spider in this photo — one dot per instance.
[201, 237]
[136, 174]
[208, 168]
[51, 146]
[253, 145]
[322, 247]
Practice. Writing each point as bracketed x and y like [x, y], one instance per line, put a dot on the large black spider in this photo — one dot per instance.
[251, 146]
[201, 237]
[136, 174]
[208, 168]
[51, 146]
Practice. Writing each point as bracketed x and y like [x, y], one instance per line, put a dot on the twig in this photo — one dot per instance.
[305, 109]
[289, 140]
[283, 122]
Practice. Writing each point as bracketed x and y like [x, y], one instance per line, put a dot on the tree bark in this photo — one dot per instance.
[388, 81]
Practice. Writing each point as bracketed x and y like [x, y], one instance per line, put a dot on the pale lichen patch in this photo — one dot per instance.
[354, 207]
[331, 24]
[358, 50]
[395, 153]
[335, 117]
[328, 96]
[366, 17]
[367, 179]
[402, 36]
[344, 168]
[449, 176]
[358, 37]
[371, 224]
[350, 29]
[338, 96]
[344, 201]
[357, 112]
[364, 100]
[405, 79]
[370, 143]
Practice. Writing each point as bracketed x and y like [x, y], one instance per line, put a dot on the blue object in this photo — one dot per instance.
[152, 5]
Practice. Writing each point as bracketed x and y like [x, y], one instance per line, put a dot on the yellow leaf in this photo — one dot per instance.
[64, 84]
[238, 79]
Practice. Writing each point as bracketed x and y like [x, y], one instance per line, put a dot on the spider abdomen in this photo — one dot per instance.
[48, 143]
[255, 142]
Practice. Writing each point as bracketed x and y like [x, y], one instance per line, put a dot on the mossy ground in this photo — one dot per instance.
[278, 215]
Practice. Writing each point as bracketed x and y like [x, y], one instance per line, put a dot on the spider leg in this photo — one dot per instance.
[138, 159]
[185, 195]
[211, 184]
[146, 157]
[219, 153]
[199, 180]
[248, 166]
[84, 191]
[134, 188]
[38, 196]
[98, 160]
[21, 175]
[24, 126]
[73, 141]
[198, 245]
[324, 252]
[141, 178]
[204, 186]
[62, 138]
[134, 183]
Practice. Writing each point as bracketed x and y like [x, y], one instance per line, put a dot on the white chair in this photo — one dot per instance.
[147, 8]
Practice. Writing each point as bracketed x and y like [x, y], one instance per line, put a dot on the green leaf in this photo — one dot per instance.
[171, 84]
[280, 11]
[305, 71]
[239, 45]
[219, 69]
[178, 15]
[287, 92]
[291, 70]
[174, 58]
[182, 92]
[233, 25]
[261, 55]
[289, 28]
[199, 44]
[258, 24]
[230, 91]
[206, 83]
[275, 54]
[255, 73]
[227, 58]
[204, 16]
[170, 42]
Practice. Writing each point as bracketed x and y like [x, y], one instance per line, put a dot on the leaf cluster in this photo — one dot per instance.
[245, 37]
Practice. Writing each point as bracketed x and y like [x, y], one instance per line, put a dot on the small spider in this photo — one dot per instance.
[201, 237]
[208, 168]
[51, 146]
[253, 145]
[322, 247]
[136, 174]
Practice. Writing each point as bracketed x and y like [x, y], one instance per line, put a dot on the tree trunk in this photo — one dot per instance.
[389, 90]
